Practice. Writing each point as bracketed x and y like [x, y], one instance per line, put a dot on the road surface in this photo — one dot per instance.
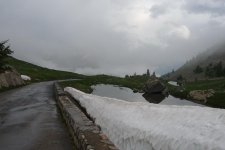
[29, 120]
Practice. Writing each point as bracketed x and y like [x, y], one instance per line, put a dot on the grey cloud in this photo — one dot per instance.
[158, 10]
[212, 7]
[99, 36]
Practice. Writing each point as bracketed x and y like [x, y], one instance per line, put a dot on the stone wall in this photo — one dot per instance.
[10, 79]
[86, 135]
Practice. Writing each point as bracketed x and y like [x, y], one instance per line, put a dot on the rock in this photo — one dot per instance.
[141, 91]
[154, 98]
[3, 81]
[135, 90]
[201, 95]
[10, 78]
[165, 92]
[154, 86]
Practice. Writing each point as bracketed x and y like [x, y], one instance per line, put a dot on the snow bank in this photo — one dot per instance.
[25, 77]
[173, 83]
[145, 126]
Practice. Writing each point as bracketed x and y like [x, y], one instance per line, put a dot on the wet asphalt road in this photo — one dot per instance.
[29, 120]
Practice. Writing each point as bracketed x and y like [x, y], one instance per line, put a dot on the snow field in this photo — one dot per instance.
[146, 126]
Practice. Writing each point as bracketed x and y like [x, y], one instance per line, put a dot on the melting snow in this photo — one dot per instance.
[146, 126]
[25, 77]
[173, 83]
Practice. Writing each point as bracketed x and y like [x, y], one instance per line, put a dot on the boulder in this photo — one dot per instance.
[10, 79]
[201, 95]
[154, 98]
[154, 86]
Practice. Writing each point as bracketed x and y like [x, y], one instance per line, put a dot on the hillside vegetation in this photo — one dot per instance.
[5, 52]
[38, 73]
[204, 72]
[207, 65]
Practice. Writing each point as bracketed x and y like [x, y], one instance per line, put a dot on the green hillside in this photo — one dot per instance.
[38, 73]
[204, 72]
[207, 65]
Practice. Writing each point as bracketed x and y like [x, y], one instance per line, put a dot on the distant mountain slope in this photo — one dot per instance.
[38, 73]
[196, 68]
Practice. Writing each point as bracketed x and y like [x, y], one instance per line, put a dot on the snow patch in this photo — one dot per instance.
[25, 77]
[146, 126]
[173, 83]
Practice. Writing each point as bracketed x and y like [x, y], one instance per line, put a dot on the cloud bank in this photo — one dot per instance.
[111, 36]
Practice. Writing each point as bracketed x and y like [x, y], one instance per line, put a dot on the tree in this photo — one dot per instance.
[148, 73]
[224, 72]
[5, 51]
[218, 68]
[198, 70]
[209, 71]
[180, 80]
[153, 75]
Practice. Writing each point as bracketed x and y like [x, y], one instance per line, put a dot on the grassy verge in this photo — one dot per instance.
[135, 83]
[218, 100]
[39, 74]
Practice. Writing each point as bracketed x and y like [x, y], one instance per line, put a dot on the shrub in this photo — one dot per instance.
[5, 52]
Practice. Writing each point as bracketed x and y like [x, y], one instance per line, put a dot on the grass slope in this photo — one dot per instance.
[38, 73]
[135, 83]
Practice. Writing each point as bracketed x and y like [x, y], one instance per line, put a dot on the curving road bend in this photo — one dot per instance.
[29, 120]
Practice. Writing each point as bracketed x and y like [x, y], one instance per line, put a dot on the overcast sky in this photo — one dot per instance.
[111, 36]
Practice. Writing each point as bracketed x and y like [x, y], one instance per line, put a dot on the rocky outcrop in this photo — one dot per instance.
[10, 79]
[153, 86]
[201, 95]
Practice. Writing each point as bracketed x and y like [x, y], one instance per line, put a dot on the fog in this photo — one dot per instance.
[111, 36]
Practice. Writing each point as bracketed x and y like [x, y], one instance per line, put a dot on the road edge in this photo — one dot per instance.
[85, 133]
